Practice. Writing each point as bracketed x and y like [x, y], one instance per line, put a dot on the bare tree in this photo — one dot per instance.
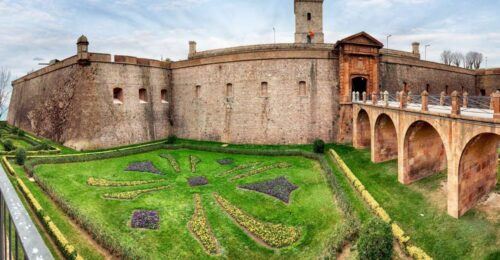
[478, 60]
[4, 90]
[457, 58]
[469, 60]
[446, 57]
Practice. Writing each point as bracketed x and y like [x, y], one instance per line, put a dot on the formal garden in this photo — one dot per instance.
[181, 202]
[190, 199]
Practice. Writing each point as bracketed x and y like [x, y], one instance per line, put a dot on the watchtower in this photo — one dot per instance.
[309, 21]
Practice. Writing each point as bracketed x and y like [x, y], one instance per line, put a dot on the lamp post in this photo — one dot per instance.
[387, 40]
[427, 45]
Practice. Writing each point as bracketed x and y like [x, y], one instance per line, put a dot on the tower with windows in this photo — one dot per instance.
[309, 21]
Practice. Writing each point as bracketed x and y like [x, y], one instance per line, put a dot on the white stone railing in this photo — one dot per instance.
[454, 104]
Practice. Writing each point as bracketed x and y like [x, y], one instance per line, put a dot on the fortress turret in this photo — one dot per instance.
[82, 49]
[309, 21]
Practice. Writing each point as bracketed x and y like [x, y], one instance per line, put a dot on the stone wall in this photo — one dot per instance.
[285, 114]
[488, 81]
[396, 71]
[74, 104]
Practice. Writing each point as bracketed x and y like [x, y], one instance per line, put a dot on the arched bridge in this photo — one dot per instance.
[429, 134]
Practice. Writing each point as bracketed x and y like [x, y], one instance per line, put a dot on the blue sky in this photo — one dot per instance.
[40, 30]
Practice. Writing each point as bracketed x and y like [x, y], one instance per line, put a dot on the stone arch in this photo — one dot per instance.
[477, 170]
[385, 143]
[362, 139]
[424, 152]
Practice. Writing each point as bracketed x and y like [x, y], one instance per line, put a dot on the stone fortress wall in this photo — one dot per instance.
[74, 105]
[258, 94]
[266, 94]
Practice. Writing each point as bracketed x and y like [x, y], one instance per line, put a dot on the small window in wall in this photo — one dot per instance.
[302, 88]
[446, 89]
[483, 92]
[118, 96]
[405, 87]
[309, 39]
[463, 89]
[229, 90]
[197, 91]
[428, 88]
[143, 95]
[263, 89]
[309, 16]
[164, 96]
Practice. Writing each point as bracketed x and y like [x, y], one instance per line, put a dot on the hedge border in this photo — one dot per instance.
[33, 140]
[64, 246]
[397, 231]
[343, 234]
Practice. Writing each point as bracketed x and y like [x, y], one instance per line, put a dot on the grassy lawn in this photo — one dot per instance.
[311, 208]
[420, 209]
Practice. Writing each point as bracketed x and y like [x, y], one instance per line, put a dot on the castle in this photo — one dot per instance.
[262, 94]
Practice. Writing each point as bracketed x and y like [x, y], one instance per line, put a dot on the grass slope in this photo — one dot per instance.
[311, 207]
[423, 215]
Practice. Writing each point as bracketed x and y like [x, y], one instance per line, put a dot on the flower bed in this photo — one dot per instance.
[241, 167]
[273, 235]
[173, 162]
[109, 183]
[225, 161]
[146, 219]
[130, 195]
[193, 160]
[262, 169]
[143, 167]
[279, 188]
[197, 181]
[200, 228]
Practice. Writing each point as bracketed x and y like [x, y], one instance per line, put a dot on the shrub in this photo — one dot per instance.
[20, 156]
[273, 235]
[173, 162]
[199, 226]
[147, 219]
[109, 183]
[279, 188]
[280, 165]
[146, 166]
[197, 181]
[241, 167]
[131, 195]
[8, 145]
[375, 240]
[319, 146]
[21, 133]
[171, 139]
[194, 160]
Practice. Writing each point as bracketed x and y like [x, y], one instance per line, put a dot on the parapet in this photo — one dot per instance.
[397, 53]
[261, 48]
[95, 58]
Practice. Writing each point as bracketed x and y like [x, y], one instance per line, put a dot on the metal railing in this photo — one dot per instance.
[19, 238]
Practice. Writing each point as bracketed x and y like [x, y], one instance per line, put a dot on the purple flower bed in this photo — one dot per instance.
[279, 188]
[225, 161]
[143, 167]
[145, 219]
[197, 181]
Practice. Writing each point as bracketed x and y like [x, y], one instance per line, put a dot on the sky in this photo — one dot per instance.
[37, 31]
